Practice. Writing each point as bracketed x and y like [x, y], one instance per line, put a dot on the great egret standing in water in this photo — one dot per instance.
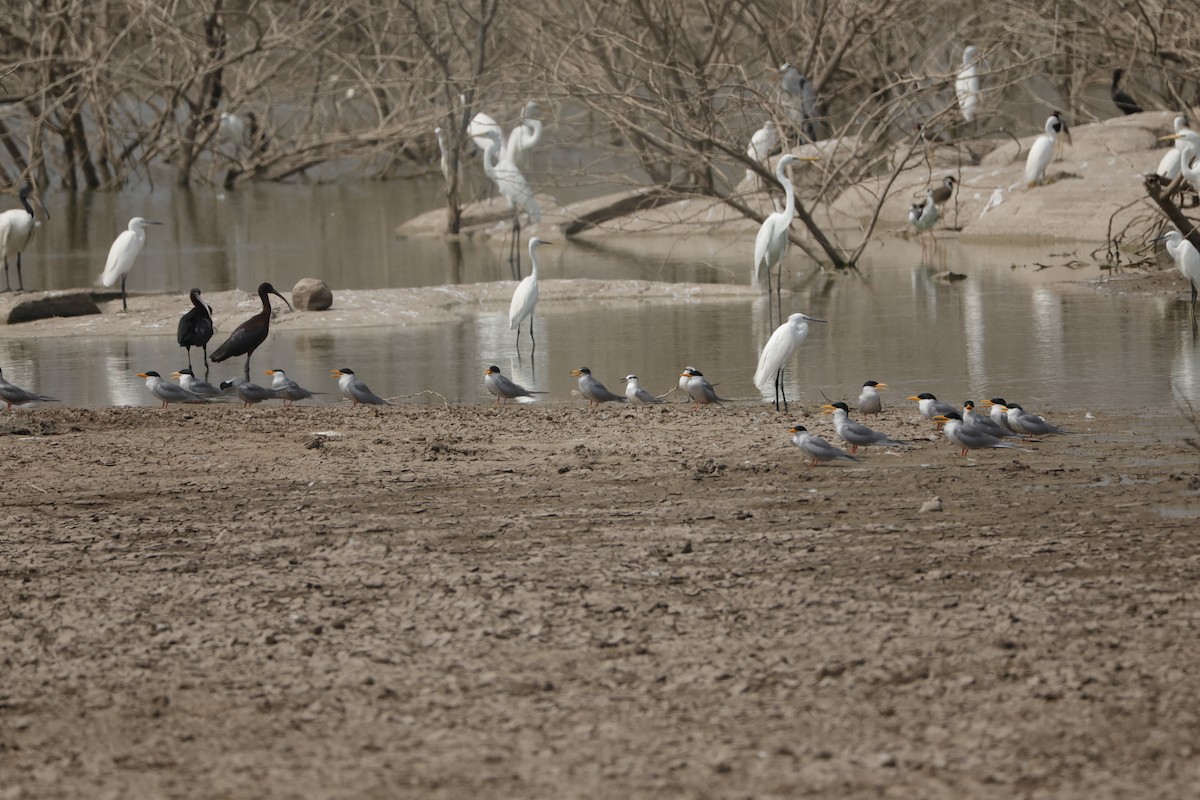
[778, 351]
[1187, 258]
[16, 232]
[772, 239]
[123, 254]
[526, 297]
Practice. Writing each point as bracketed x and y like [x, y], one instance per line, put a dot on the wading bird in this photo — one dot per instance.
[14, 395]
[944, 192]
[355, 390]
[800, 100]
[525, 297]
[764, 140]
[966, 84]
[196, 328]
[123, 254]
[778, 351]
[246, 338]
[1187, 258]
[525, 136]
[923, 216]
[1168, 165]
[771, 242]
[16, 232]
[504, 389]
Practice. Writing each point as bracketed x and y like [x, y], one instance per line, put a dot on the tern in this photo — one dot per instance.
[504, 389]
[854, 433]
[816, 448]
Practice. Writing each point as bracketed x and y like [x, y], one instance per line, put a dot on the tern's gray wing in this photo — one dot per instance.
[645, 397]
[503, 387]
[173, 393]
[597, 392]
[702, 391]
[861, 435]
[359, 392]
[818, 448]
[1034, 425]
[942, 408]
[986, 425]
[975, 439]
[15, 395]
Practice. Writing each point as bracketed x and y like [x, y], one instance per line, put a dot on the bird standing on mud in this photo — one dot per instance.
[854, 433]
[698, 388]
[869, 401]
[288, 389]
[595, 391]
[169, 392]
[636, 394]
[816, 448]
[778, 352]
[355, 390]
[504, 389]
[247, 337]
[13, 395]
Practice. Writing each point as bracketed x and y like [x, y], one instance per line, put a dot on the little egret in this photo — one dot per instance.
[966, 85]
[16, 232]
[1187, 258]
[123, 254]
[764, 140]
[196, 328]
[778, 351]
[526, 297]
[246, 338]
[1168, 165]
[1188, 142]
[771, 242]
[1041, 152]
[355, 390]
[1124, 103]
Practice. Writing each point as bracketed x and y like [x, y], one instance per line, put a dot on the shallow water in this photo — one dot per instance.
[1003, 330]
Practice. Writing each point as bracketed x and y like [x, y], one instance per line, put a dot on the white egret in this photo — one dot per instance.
[1188, 142]
[478, 129]
[966, 85]
[354, 390]
[444, 154]
[526, 136]
[1187, 258]
[778, 351]
[1168, 165]
[509, 180]
[526, 297]
[123, 254]
[1124, 103]
[16, 232]
[816, 448]
[762, 143]
[923, 216]
[771, 242]
[233, 131]
[1042, 152]
[800, 99]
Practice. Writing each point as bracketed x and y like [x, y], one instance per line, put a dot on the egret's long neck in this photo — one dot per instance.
[789, 194]
[490, 156]
[533, 259]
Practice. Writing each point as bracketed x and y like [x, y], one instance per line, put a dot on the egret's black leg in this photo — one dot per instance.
[780, 389]
[518, 341]
[7, 285]
[20, 280]
[124, 304]
[779, 294]
[534, 348]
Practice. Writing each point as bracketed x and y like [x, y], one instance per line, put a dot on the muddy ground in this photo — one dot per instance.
[542, 602]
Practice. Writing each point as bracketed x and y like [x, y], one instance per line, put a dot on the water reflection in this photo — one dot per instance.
[1000, 331]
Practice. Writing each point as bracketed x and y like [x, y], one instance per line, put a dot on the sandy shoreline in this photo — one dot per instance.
[545, 602]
